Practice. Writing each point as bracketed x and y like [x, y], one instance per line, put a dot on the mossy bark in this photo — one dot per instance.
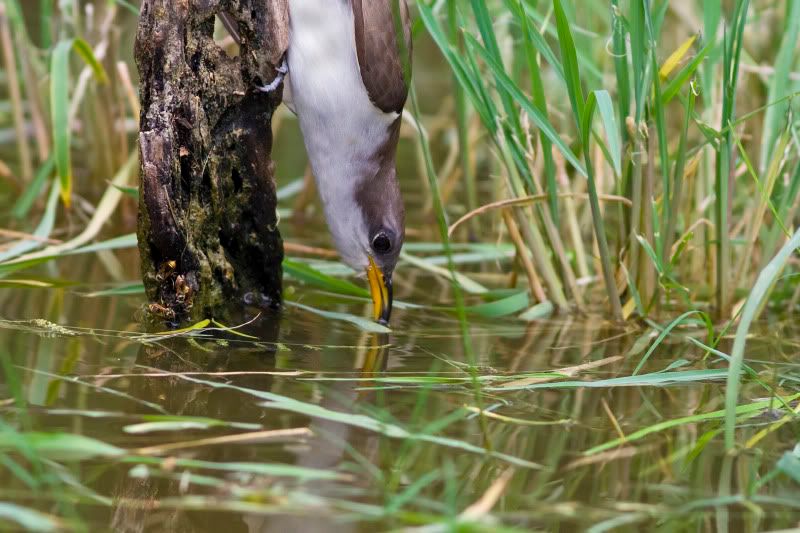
[207, 229]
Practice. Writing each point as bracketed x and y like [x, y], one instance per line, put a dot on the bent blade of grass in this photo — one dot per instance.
[460, 69]
[358, 321]
[43, 230]
[29, 519]
[536, 116]
[672, 325]
[72, 380]
[103, 212]
[59, 105]
[161, 423]
[606, 108]
[466, 283]
[779, 84]
[570, 58]
[127, 289]
[653, 379]
[674, 59]
[747, 410]
[62, 446]
[674, 86]
[32, 260]
[755, 303]
[503, 307]
[308, 274]
[189, 329]
[128, 5]
[262, 469]
[789, 194]
[585, 128]
[285, 403]
[488, 254]
[764, 198]
[25, 201]
[789, 464]
[86, 53]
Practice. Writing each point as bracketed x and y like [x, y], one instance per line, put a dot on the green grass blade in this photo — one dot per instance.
[677, 186]
[86, 53]
[503, 307]
[538, 118]
[308, 274]
[537, 90]
[606, 108]
[360, 322]
[569, 56]
[597, 216]
[752, 308]
[680, 79]
[780, 84]
[29, 519]
[62, 446]
[751, 409]
[24, 203]
[43, 230]
[460, 69]
[59, 106]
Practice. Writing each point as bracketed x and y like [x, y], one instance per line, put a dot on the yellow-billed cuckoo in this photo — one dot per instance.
[348, 70]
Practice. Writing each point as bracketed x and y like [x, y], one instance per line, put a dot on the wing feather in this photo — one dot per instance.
[384, 60]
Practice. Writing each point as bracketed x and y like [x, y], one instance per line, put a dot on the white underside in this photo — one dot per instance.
[335, 115]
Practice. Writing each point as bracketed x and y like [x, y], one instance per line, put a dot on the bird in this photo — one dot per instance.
[347, 73]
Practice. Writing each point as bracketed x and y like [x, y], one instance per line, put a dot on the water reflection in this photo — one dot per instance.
[103, 383]
[324, 446]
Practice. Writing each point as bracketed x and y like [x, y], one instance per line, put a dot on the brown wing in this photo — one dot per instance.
[230, 25]
[384, 60]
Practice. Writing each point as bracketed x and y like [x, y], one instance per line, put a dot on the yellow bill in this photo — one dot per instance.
[381, 291]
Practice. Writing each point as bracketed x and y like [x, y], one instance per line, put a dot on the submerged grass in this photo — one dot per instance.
[640, 158]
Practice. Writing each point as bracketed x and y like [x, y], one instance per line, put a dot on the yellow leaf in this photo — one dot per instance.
[193, 327]
[676, 57]
[628, 308]
[24, 282]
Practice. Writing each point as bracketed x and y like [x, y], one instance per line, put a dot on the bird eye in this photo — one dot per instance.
[381, 243]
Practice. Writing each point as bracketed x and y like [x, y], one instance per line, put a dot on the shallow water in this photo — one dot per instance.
[315, 425]
[384, 449]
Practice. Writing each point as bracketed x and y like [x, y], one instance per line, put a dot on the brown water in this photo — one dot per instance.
[94, 380]
[384, 449]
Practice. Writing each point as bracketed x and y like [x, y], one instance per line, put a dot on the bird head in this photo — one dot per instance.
[368, 229]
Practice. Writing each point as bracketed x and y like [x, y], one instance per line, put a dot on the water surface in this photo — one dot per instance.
[208, 422]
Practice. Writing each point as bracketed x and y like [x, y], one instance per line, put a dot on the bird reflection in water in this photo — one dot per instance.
[164, 502]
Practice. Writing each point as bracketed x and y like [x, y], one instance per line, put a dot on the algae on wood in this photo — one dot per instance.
[207, 222]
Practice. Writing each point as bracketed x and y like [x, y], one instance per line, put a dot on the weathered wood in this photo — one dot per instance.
[207, 222]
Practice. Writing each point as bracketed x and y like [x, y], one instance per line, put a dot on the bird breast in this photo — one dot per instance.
[339, 122]
[344, 132]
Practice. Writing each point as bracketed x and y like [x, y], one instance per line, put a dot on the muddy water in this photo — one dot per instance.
[101, 379]
[314, 425]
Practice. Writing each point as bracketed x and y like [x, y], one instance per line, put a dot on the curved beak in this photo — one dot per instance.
[380, 288]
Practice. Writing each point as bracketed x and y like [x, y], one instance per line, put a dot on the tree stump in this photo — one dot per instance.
[207, 228]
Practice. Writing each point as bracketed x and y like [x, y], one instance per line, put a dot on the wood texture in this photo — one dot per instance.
[208, 235]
